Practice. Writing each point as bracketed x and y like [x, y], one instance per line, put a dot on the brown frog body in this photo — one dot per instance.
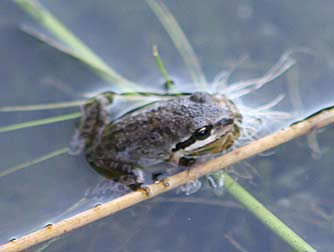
[172, 130]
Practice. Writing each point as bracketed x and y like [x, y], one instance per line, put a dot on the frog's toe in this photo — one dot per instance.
[146, 190]
[139, 175]
[156, 176]
[77, 144]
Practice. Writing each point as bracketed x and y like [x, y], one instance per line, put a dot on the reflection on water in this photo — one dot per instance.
[293, 183]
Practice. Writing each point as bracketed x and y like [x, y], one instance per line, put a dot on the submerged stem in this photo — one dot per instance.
[162, 68]
[39, 122]
[34, 161]
[80, 50]
[265, 216]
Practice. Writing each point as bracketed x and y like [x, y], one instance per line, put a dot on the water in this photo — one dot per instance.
[295, 181]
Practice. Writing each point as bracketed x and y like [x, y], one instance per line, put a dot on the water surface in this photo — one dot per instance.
[295, 181]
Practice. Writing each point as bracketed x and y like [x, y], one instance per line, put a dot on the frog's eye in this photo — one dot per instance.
[203, 132]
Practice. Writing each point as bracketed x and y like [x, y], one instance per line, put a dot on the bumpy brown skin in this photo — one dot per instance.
[148, 135]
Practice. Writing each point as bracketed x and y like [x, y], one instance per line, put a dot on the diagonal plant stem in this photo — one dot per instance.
[38, 160]
[180, 42]
[77, 48]
[265, 216]
[39, 122]
[315, 121]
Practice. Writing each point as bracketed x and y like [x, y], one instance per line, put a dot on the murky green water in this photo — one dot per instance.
[294, 181]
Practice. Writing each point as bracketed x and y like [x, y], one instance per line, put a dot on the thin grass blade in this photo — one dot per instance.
[74, 44]
[46, 106]
[180, 41]
[265, 216]
[40, 122]
[34, 162]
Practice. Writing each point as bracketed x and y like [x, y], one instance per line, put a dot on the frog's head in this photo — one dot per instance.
[214, 123]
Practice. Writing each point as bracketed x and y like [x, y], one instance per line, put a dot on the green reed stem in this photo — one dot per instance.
[265, 216]
[160, 64]
[39, 122]
[180, 42]
[81, 51]
[34, 161]
[169, 83]
[47, 244]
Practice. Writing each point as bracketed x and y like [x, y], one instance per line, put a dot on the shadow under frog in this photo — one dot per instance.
[175, 130]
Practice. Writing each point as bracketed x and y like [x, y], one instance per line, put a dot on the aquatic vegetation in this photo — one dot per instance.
[235, 91]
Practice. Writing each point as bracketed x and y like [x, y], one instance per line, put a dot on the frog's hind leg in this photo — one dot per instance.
[94, 117]
[121, 171]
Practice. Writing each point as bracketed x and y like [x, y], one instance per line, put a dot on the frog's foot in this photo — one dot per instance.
[187, 161]
[77, 144]
[133, 180]
[146, 190]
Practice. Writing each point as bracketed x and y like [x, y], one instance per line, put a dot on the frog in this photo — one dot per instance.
[177, 130]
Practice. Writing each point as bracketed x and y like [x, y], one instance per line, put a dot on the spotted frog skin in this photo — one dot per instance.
[174, 130]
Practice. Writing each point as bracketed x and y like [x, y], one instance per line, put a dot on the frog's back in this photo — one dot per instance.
[148, 135]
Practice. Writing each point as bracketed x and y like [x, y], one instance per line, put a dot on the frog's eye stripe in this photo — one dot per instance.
[184, 144]
[200, 134]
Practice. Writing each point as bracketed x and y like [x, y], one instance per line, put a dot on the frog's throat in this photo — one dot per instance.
[221, 144]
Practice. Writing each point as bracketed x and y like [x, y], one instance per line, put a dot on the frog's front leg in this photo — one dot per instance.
[215, 179]
[94, 117]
